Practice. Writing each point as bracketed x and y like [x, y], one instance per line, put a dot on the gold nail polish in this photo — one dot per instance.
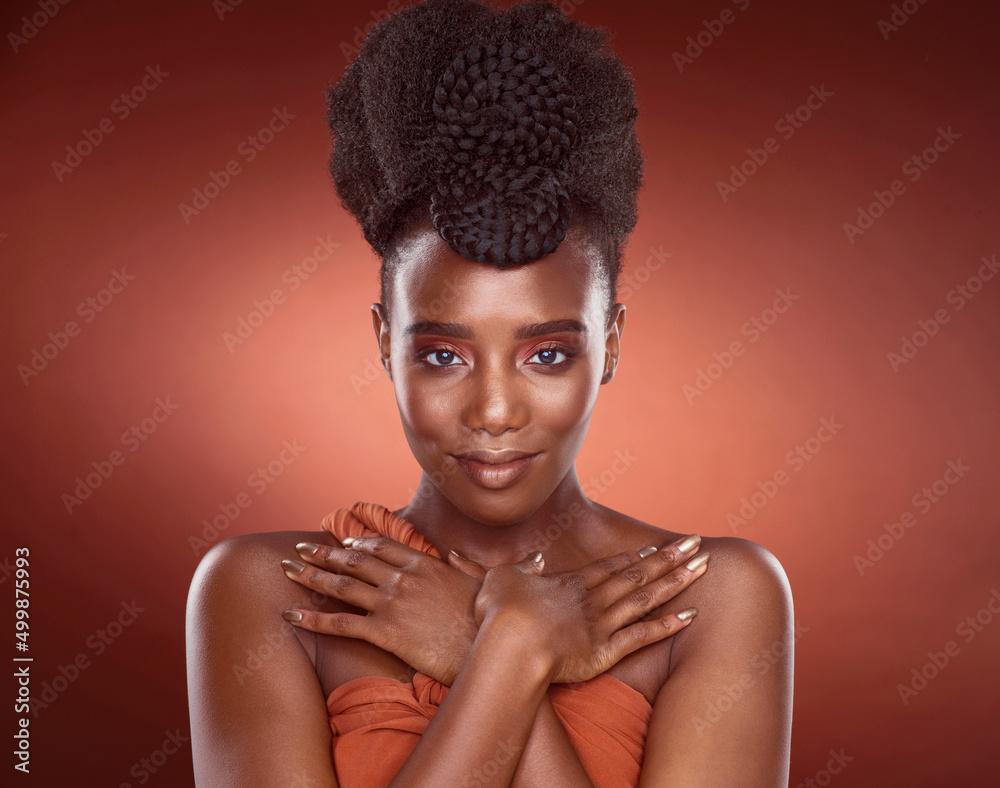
[348, 541]
[684, 615]
[308, 548]
[293, 567]
[689, 544]
[646, 552]
[697, 562]
[292, 615]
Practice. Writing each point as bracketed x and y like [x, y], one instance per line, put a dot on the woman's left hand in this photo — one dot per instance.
[419, 607]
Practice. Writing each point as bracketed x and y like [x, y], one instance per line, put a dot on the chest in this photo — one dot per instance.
[339, 660]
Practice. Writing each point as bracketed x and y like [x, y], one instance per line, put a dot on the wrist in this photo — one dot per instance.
[510, 640]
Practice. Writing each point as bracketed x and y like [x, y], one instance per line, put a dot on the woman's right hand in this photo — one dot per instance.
[583, 622]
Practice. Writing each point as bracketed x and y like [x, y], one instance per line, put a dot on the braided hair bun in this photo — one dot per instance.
[499, 126]
[504, 125]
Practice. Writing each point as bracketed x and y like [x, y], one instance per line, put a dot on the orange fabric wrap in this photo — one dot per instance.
[377, 721]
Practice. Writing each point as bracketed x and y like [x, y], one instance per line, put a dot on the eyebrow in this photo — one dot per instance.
[462, 331]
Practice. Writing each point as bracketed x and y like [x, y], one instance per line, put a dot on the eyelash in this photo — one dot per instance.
[567, 352]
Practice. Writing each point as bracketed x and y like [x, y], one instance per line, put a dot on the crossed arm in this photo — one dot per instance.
[271, 727]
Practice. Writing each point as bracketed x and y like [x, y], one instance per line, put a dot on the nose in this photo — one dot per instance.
[497, 400]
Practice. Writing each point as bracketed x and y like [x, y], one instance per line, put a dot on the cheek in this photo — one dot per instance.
[425, 414]
[565, 408]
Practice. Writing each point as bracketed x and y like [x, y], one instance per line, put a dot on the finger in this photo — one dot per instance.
[533, 564]
[642, 599]
[466, 565]
[600, 570]
[343, 587]
[385, 549]
[345, 562]
[652, 566]
[346, 625]
[642, 633]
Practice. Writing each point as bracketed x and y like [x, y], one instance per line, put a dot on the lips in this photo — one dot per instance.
[495, 469]
[494, 456]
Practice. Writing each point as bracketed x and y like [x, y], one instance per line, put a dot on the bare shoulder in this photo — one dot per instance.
[744, 601]
[743, 578]
[739, 569]
[245, 663]
[251, 564]
[240, 580]
[742, 566]
[723, 716]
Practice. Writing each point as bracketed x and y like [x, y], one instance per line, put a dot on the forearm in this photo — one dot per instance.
[486, 718]
[549, 759]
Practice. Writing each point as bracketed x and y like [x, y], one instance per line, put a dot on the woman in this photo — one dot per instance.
[492, 162]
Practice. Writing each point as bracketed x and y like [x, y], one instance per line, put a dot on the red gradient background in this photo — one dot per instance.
[308, 373]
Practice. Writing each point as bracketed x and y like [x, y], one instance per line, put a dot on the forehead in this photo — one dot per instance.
[432, 280]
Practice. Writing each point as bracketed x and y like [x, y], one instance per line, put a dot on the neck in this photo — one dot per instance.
[555, 529]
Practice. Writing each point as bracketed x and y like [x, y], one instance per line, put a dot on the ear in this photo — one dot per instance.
[380, 322]
[612, 342]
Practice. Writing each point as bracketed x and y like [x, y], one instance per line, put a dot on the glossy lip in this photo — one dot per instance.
[494, 456]
[495, 469]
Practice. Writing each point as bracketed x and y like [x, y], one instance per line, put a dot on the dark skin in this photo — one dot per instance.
[495, 626]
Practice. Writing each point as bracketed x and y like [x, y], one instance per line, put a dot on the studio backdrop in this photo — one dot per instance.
[810, 358]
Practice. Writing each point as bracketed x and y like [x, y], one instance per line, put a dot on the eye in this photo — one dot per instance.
[550, 356]
[441, 358]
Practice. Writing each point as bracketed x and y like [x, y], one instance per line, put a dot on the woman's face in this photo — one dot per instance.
[489, 360]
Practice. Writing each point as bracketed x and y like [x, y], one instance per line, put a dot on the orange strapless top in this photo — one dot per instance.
[377, 721]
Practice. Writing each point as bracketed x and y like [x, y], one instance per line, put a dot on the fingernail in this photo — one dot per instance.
[455, 554]
[292, 615]
[293, 567]
[697, 562]
[535, 558]
[684, 615]
[307, 547]
[348, 541]
[646, 552]
[689, 544]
